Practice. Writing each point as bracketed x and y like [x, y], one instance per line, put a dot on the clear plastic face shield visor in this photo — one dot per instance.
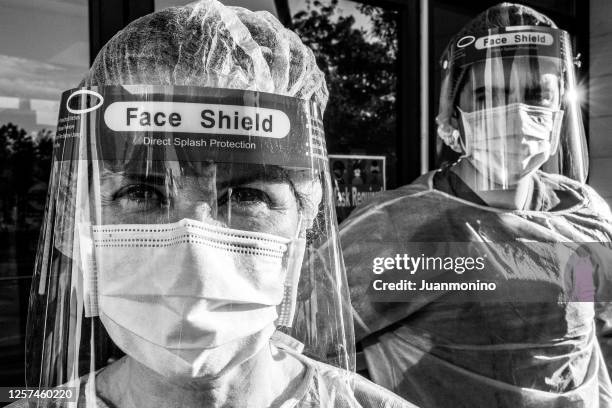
[516, 105]
[187, 228]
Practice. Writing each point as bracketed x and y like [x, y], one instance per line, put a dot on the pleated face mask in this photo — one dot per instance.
[190, 291]
[506, 143]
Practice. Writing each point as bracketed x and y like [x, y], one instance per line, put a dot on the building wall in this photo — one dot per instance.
[600, 98]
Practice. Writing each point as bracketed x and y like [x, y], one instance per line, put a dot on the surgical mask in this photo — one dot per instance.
[509, 142]
[190, 299]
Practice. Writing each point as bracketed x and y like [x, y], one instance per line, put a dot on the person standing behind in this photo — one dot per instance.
[508, 106]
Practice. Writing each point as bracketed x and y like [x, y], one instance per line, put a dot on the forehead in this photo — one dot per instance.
[519, 70]
[205, 171]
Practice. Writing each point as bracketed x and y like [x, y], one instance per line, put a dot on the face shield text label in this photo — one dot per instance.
[512, 39]
[511, 42]
[195, 124]
[182, 117]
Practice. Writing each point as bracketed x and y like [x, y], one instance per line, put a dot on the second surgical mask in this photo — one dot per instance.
[508, 142]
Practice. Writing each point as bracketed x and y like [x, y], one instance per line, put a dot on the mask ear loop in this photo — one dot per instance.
[457, 134]
[556, 131]
[288, 306]
[298, 230]
[229, 207]
[295, 258]
[558, 117]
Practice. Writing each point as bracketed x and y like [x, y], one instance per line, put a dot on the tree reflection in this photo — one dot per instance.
[361, 72]
[25, 165]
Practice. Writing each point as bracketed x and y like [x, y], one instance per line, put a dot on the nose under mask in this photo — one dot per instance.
[507, 143]
[190, 298]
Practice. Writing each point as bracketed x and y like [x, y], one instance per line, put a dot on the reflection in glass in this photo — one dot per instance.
[356, 46]
[44, 50]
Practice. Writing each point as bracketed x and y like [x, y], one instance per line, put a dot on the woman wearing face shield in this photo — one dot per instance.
[516, 203]
[190, 186]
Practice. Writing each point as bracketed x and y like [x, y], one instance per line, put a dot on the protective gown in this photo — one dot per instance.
[439, 351]
[319, 381]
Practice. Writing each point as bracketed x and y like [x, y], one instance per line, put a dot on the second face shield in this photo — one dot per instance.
[516, 103]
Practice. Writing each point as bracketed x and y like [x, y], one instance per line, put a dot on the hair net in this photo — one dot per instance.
[207, 44]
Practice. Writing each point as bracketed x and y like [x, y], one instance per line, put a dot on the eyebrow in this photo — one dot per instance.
[483, 89]
[277, 174]
[272, 174]
[533, 86]
[149, 178]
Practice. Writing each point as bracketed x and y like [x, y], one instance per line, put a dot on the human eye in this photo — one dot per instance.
[246, 197]
[140, 198]
[492, 96]
[479, 98]
[537, 96]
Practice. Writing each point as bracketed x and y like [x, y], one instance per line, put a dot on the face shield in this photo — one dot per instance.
[181, 228]
[514, 100]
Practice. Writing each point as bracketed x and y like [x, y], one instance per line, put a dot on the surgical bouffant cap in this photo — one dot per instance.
[501, 15]
[208, 44]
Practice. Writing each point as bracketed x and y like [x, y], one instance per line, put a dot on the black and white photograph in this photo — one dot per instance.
[305, 203]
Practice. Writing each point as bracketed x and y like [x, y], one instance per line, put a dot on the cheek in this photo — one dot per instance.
[466, 101]
[284, 222]
[281, 222]
[557, 99]
[285, 215]
[109, 209]
[113, 213]
[311, 192]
